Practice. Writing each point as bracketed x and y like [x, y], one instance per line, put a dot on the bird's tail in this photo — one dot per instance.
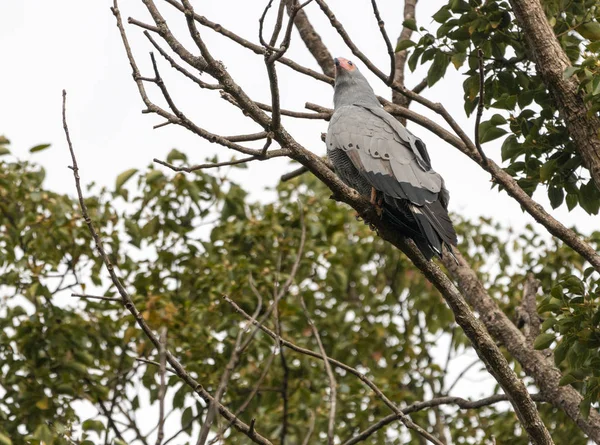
[435, 225]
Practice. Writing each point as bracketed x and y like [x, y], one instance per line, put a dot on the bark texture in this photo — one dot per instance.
[551, 62]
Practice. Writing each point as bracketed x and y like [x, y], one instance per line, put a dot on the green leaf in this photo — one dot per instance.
[442, 15]
[543, 341]
[572, 200]
[404, 44]
[4, 151]
[43, 433]
[186, 418]
[589, 197]
[567, 379]
[410, 24]
[4, 439]
[556, 196]
[93, 425]
[458, 59]
[437, 68]
[574, 285]
[560, 353]
[38, 148]
[547, 170]
[589, 30]
[570, 71]
[488, 132]
[585, 406]
[124, 177]
[154, 175]
[176, 155]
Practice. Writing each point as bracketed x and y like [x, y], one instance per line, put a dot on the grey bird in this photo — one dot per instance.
[377, 156]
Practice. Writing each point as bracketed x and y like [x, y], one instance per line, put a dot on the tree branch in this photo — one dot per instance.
[419, 406]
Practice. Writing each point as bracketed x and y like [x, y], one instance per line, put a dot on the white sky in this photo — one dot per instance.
[73, 44]
[48, 46]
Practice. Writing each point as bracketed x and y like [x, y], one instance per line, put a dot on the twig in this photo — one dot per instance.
[330, 376]
[163, 385]
[152, 362]
[480, 105]
[311, 427]
[284, 365]
[296, 114]
[461, 375]
[205, 166]
[179, 68]
[97, 297]
[388, 43]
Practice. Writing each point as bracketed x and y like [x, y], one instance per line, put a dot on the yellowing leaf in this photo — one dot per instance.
[124, 177]
[42, 403]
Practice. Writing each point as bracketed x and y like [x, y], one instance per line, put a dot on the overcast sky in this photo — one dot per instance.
[48, 46]
[72, 44]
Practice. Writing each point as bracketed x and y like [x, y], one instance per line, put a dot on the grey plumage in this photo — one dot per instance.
[369, 149]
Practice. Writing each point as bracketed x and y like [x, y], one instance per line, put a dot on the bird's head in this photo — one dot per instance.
[350, 85]
[342, 64]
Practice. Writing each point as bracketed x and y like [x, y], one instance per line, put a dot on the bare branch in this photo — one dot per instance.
[97, 297]
[152, 362]
[330, 376]
[179, 68]
[419, 406]
[163, 385]
[311, 428]
[480, 105]
[388, 43]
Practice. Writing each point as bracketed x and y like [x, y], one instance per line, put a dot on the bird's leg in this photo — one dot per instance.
[376, 202]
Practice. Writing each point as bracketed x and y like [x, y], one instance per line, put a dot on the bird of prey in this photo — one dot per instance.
[377, 156]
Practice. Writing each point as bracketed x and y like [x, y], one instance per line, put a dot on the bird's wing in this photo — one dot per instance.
[384, 153]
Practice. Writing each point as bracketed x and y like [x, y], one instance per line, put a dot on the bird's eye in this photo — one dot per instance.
[350, 63]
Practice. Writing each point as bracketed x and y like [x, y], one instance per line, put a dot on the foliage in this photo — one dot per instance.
[181, 242]
[538, 149]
